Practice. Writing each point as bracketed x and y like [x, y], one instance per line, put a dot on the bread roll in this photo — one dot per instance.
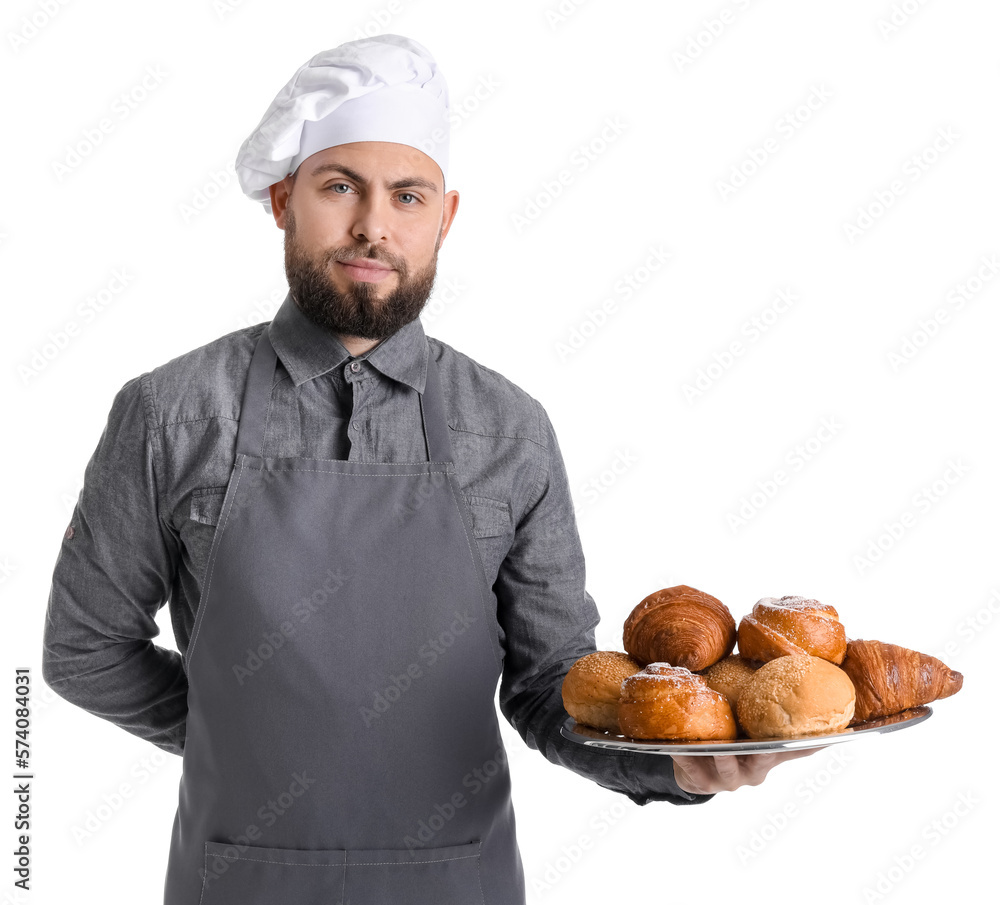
[730, 675]
[792, 625]
[671, 702]
[680, 626]
[591, 688]
[796, 695]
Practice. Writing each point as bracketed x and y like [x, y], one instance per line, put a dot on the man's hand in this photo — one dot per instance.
[727, 772]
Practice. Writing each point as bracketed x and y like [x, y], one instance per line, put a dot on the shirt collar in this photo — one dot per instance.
[308, 350]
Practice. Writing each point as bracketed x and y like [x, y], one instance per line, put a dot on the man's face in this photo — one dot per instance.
[363, 225]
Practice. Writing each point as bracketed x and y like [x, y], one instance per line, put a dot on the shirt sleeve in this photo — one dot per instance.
[549, 621]
[113, 572]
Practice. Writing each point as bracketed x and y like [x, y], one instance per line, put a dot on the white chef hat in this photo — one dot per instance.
[384, 88]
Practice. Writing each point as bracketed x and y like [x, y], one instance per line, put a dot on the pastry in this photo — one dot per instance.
[796, 695]
[730, 675]
[889, 678]
[680, 626]
[591, 688]
[792, 625]
[671, 702]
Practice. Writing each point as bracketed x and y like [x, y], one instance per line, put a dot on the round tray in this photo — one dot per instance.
[595, 738]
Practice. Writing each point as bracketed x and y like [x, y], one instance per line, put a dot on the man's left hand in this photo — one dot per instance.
[727, 772]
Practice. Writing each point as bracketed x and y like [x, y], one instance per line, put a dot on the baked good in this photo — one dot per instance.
[796, 695]
[889, 678]
[680, 626]
[792, 625]
[730, 675]
[591, 688]
[671, 702]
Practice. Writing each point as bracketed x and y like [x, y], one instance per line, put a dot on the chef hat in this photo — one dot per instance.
[385, 88]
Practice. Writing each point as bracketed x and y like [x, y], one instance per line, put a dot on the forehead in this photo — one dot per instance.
[375, 161]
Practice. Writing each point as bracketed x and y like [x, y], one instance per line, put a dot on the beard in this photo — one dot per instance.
[358, 312]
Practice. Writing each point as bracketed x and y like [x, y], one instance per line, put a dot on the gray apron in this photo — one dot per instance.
[342, 742]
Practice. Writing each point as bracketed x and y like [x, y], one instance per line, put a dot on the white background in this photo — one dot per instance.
[657, 474]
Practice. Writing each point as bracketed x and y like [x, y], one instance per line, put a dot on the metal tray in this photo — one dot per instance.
[585, 735]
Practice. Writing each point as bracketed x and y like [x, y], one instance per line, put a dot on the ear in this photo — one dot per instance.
[450, 209]
[280, 193]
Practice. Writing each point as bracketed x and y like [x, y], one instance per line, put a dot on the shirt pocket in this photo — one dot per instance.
[493, 530]
[198, 529]
[253, 875]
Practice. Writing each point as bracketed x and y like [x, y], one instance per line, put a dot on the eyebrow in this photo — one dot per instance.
[405, 183]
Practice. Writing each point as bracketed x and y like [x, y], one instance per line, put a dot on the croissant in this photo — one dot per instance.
[888, 678]
[680, 626]
[792, 625]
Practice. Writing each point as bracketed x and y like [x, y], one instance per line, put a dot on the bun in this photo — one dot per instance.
[671, 702]
[796, 695]
[730, 675]
[889, 678]
[680, 626]
[792, 625]
[592, 686]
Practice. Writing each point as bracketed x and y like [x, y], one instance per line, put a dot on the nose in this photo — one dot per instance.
[371, 222]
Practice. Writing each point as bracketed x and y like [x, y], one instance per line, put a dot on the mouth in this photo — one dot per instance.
[365, 270]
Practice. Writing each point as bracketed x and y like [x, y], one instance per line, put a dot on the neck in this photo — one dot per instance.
[357, 345]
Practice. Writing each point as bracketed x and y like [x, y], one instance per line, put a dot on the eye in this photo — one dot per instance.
[338, 185]
[408, 195]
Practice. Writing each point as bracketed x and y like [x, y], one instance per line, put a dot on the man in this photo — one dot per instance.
[359, 530]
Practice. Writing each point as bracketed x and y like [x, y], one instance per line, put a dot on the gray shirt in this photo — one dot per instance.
[143, 524]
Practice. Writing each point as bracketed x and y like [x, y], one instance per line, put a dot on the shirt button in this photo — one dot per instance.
[356, 425]
[355, 367]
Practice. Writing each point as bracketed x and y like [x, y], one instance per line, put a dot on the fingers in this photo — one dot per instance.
[728, 772]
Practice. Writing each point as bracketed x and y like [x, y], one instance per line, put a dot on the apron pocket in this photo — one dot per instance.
[251, 875]
[447, 875]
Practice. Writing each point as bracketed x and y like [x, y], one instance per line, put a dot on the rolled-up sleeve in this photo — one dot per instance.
[113, 572]
[549, 621]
